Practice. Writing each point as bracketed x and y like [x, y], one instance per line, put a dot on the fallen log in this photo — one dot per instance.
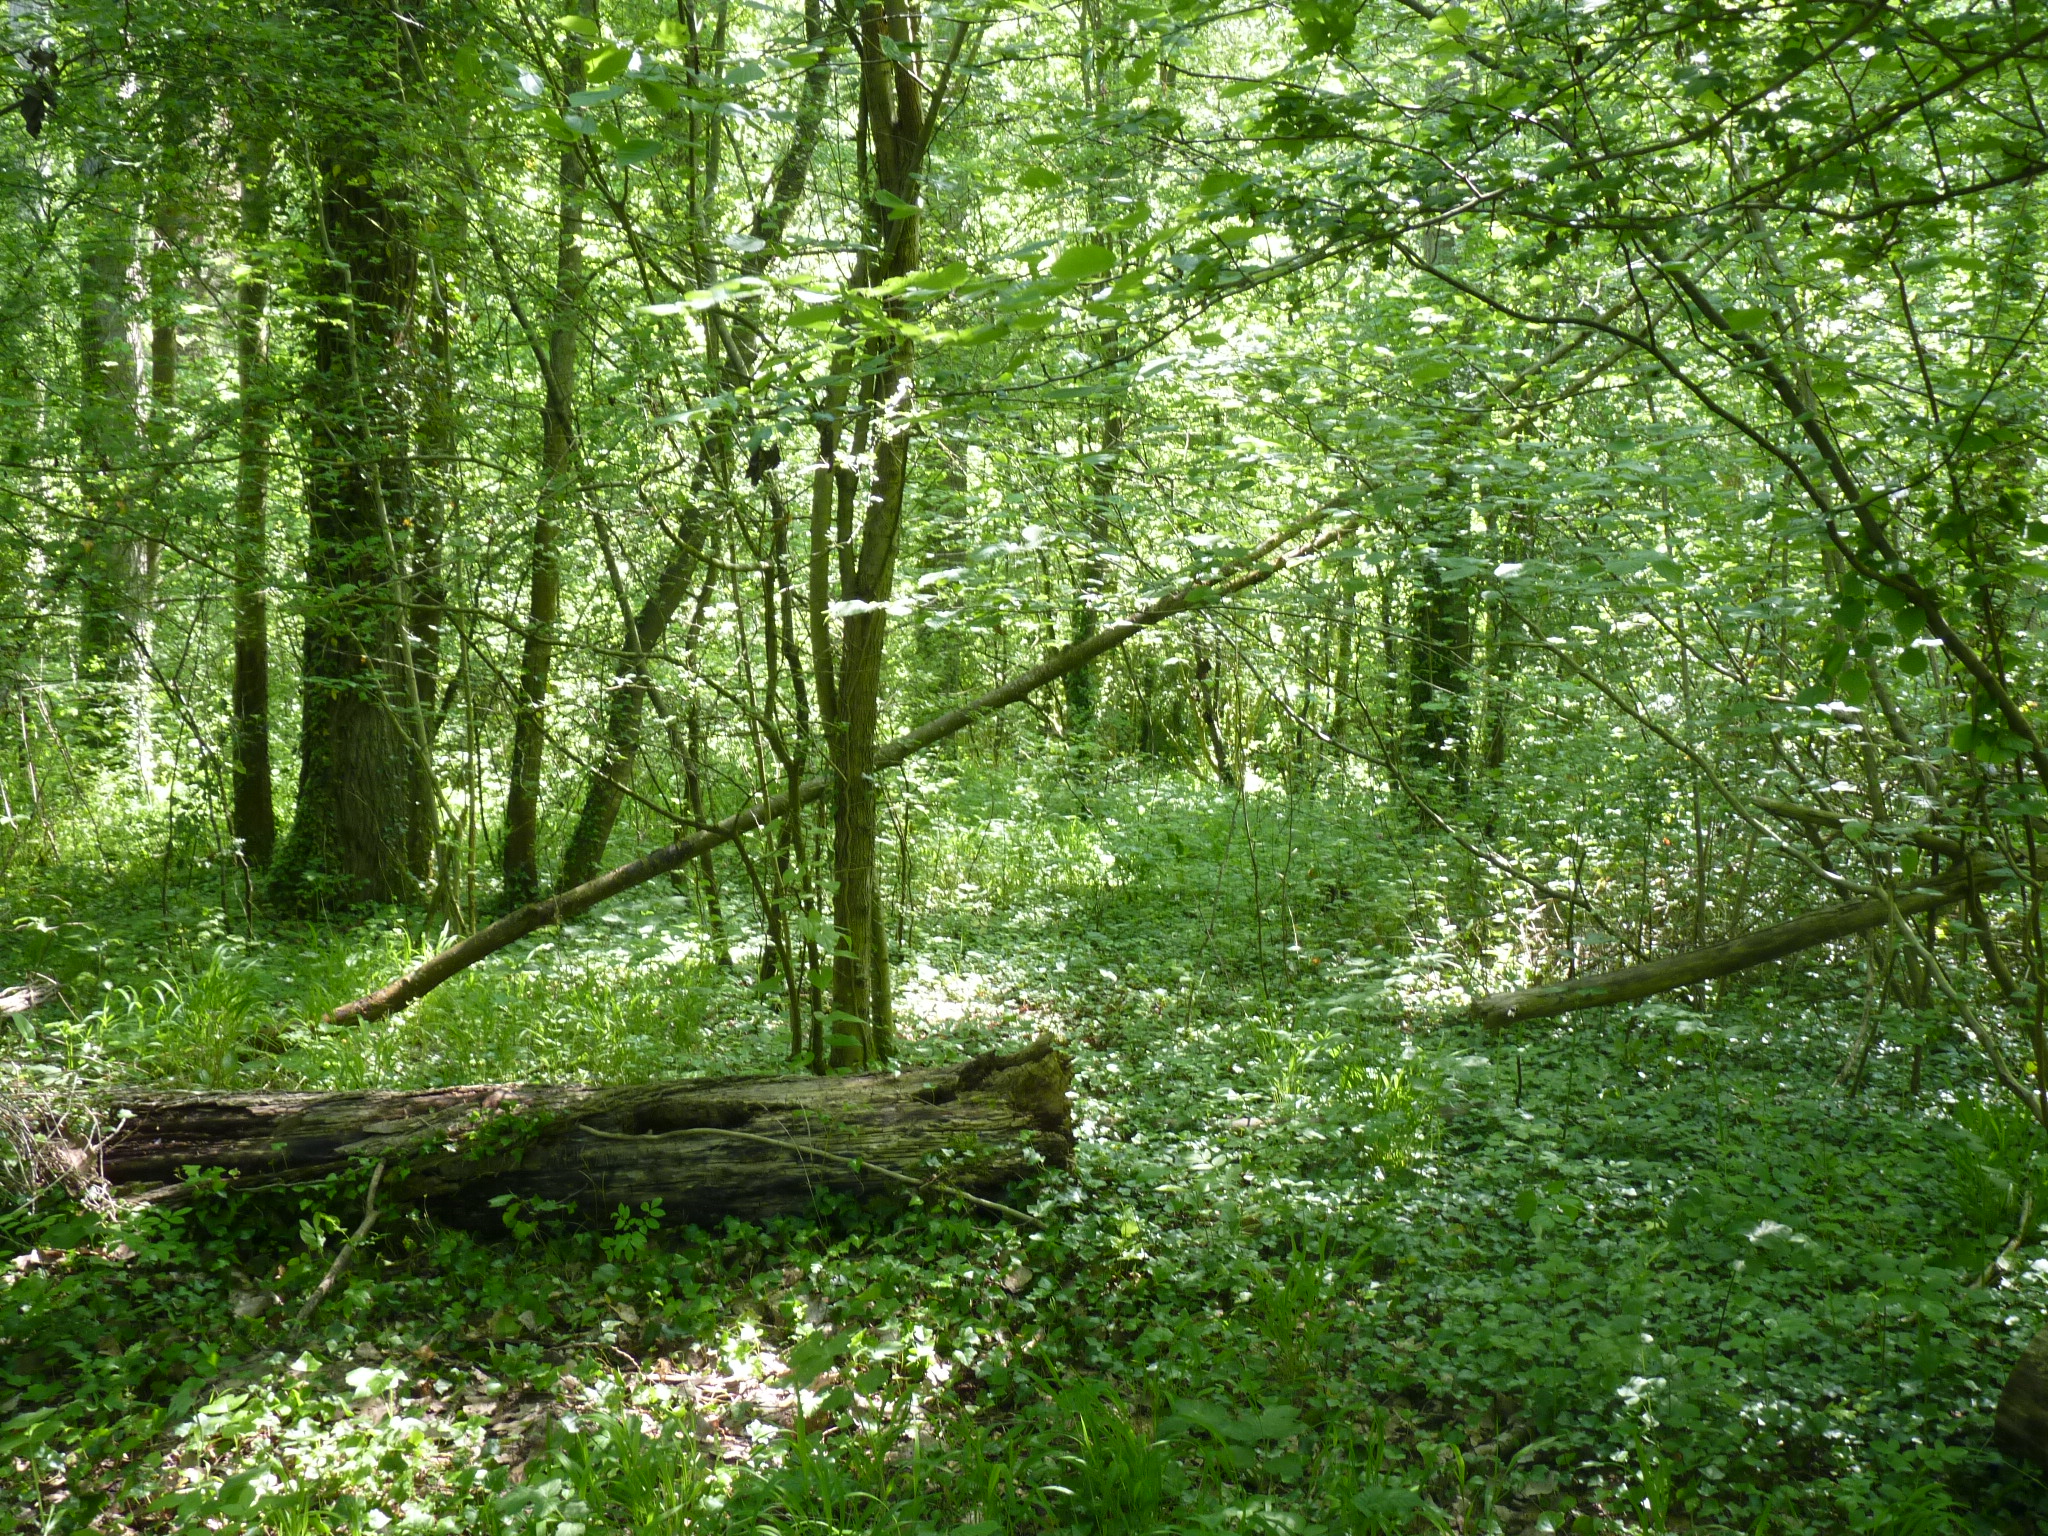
[2021, 1427]
[707, 1148]
[29, 996]
[1635, 982]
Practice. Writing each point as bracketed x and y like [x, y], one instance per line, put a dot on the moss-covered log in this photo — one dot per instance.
[707, 1148]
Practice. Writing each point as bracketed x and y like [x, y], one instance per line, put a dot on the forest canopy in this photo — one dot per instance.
[1436, 600]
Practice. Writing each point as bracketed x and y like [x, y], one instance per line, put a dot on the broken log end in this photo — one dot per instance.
[2022, 1424]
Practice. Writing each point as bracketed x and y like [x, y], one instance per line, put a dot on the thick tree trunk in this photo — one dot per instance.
[706, 1148]
[558, 472]
[252, 816]
[350, 833]
[1737, 954]
[1262, 565]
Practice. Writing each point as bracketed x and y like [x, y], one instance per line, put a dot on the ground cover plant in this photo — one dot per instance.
[1324, 1263]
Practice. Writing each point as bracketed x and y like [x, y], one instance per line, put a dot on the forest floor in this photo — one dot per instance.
[1326, 1262]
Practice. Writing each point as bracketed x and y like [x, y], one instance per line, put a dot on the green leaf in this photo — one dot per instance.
[672, 34]
[607, 64]
[1038, 179]
[1746, 319]
[1433, 369]
[815, 1355]
[638, 151]
[582, 26]
[1326, 26]
[1077, 263]
[660, 95]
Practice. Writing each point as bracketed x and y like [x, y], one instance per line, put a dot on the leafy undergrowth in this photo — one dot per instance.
[1321, 1267]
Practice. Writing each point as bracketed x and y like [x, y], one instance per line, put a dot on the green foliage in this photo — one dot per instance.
[1315, 1270]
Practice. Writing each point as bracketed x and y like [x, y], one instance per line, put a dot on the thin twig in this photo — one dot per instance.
[859, 1165]
[348, 1249]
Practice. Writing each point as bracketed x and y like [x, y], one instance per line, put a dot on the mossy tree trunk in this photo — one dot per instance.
[350, 834]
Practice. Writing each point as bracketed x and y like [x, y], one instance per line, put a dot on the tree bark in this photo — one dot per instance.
[350, 833]
[893, 109]
[252, 816]
[625, 712]
[990, 1122]
[107, 422]
[1439, 676]
[1635, 982]
[2022, 1424]
[1262, 565]
[558, 447]
[434, 481]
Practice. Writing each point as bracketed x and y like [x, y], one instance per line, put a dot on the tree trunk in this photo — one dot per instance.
[625, 711]
[433, 482]
[252, 816]
[1083, 687]
[1439, 675]
[108, 391]
[993, 1121]
[1737, 954]
[350, 834]
[894, 112]
[626, 701]
[558, 472]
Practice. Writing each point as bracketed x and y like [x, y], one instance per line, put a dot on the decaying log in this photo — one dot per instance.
[27, 997]
[1635, 982]
[2022, 1423]
[707, 1148]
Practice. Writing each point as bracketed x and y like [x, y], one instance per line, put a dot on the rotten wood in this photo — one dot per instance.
[2021, 1427]
[973, 1129]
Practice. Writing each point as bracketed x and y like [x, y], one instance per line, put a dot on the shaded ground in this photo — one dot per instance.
[1323, 1266]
